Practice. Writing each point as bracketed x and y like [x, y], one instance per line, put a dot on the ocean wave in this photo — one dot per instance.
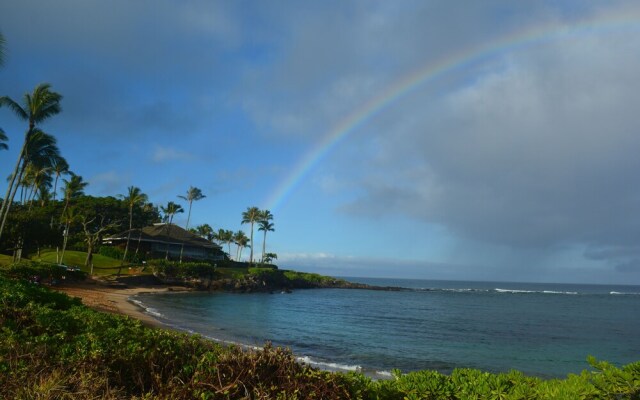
[518, 291]
[456, 290]
[148, 310]
[328, 365]
[625, 293]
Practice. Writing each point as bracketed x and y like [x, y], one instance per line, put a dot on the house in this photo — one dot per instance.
[156, 240]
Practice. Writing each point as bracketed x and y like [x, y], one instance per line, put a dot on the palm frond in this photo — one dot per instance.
[3, 138]
[13, 106]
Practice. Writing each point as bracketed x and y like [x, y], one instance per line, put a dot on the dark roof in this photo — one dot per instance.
[165, 233]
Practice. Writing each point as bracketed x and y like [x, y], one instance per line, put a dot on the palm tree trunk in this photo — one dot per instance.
[9, 201]
[32, 195]
[139, 240]
[55, 187]
[6, 204]
[264, 242]
[64, 242]
[251, 254]
[166, 256]
[186, 228]
[66, 205]
[126, 248]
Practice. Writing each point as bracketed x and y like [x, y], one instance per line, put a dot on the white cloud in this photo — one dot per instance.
[165, 154]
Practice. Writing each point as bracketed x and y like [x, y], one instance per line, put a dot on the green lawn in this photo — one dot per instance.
[77, 258]
[5, 260]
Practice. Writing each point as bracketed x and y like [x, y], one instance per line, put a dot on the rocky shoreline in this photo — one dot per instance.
[246, 284]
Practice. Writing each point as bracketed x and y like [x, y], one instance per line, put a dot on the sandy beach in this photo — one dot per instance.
[115, 300]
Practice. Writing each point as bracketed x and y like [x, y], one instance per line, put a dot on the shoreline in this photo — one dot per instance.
[116, 300]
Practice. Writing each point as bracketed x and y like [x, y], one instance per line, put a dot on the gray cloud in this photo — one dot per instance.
[538, 151]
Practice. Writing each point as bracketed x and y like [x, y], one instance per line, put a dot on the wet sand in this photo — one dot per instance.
[115, 300]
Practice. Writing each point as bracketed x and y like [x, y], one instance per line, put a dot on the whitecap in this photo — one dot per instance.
[328, 365]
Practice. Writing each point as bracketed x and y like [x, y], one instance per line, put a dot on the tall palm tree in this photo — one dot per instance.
[169, 212]
[134, 198]
[265, 226]
[73, 188]
[193, 194]
[38, 150]
[242, 241]
[60, 167]
[251, 216]
[36, 107]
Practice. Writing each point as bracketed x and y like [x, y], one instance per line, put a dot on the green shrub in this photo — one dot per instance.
[186, 270]
[42, 272]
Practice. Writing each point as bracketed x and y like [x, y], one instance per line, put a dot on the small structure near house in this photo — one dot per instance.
[156, 240]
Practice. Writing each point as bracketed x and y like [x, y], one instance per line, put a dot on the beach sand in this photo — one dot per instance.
[115, 300]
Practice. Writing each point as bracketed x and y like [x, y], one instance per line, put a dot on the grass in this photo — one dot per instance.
[232, 273]
[5, 260]
[102, 265]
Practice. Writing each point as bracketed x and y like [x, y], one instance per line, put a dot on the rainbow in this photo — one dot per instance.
[431, 72]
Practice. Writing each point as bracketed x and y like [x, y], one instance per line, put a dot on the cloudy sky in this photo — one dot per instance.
[493, 140]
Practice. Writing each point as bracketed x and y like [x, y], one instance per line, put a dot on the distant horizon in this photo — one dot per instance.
[481, 281]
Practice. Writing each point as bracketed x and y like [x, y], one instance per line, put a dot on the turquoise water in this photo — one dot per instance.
[542, 329]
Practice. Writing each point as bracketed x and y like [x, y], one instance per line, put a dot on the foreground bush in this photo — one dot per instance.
[53, 347]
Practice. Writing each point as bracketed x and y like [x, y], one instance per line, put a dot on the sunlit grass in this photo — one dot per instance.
[5, 260]
[102, 265]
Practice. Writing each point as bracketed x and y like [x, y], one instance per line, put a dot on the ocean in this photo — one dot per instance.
[546, 330]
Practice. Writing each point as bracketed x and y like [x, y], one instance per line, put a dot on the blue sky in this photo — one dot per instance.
[519, 164]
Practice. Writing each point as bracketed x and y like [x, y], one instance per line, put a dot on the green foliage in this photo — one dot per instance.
[186, 270]
[117, 254]
[46, 272]
[53, 347]
[311, 278]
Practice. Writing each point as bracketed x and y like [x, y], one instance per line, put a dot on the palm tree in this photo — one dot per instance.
[73, 188]
[225, 236]
[265, 226]
[242, 241]
[169, 211]
[134, 198]
[38, 150]
[60, 167]
[193, 194]
[251, 216]
[36, 108]
[205, 231]
[68, 218]
[270, 257]
[40, 179]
